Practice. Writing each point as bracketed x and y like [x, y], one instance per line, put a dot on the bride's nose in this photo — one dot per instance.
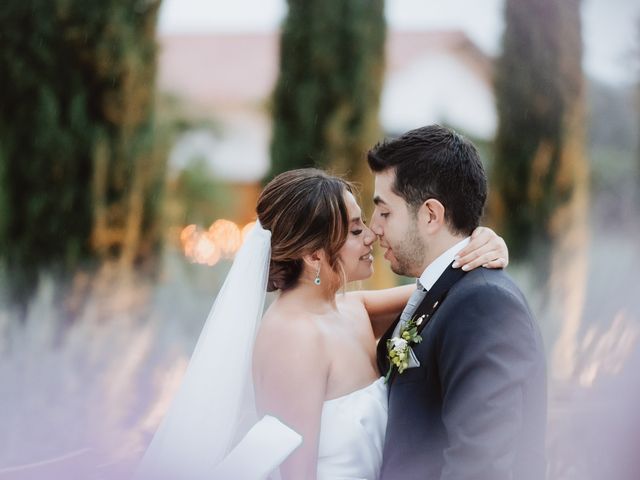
[369, 236]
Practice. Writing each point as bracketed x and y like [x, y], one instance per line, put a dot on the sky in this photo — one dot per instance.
[611, 28]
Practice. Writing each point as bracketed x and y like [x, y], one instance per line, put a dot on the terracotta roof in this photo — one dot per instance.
[405, 47]
[219, 68]
[230, 70]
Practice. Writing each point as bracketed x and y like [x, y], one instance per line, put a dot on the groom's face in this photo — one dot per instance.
[396, 226]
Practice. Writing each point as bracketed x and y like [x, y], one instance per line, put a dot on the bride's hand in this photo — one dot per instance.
[486, 249]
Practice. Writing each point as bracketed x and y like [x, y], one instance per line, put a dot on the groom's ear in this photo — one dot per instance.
[432, 215]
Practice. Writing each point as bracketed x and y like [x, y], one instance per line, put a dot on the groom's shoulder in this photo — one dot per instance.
[487, 278]
[491, 300]
[488, 285]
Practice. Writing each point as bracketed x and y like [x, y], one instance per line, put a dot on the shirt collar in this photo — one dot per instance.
[436, 268]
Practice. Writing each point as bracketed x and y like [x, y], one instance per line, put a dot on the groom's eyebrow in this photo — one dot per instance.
[377, 200]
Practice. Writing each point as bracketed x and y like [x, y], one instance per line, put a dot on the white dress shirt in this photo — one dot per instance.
[436, 268]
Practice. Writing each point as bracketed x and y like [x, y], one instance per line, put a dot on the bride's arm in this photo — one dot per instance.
[291, 369]
[486, 249]
[383, 306]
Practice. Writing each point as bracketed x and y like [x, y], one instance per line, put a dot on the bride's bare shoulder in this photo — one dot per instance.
[283, 324]
[290, 346]
[353, 301]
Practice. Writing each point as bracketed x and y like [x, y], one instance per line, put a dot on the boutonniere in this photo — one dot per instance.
[399, 349]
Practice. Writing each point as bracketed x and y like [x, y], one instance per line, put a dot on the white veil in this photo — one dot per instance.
[214, 406]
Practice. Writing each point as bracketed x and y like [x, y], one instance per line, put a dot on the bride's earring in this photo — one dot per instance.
[317, 279]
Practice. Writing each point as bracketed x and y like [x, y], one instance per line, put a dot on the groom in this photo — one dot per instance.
[471, 403]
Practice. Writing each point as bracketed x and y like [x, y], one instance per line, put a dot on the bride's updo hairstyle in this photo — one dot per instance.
[305, 212]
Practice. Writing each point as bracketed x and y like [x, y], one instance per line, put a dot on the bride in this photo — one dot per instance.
[310, 370]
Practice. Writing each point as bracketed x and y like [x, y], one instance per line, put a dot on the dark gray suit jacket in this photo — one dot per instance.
[475, 408]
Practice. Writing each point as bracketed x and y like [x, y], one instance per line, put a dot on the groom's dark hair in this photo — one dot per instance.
[436, 162]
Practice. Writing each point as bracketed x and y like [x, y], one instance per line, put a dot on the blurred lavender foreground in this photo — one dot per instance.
[115, 195]
[101, 383]
[89, 395]
[594, 422]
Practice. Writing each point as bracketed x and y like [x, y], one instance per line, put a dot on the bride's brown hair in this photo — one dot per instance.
[305, 211]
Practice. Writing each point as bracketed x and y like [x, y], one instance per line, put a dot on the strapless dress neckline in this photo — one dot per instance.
[372, 385]
[352, 429]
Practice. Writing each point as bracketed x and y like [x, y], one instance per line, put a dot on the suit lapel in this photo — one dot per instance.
[437, 294]
[428, 307]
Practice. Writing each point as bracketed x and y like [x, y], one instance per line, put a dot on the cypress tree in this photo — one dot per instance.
[540, 173]
[326, 99]
[540, 165]
[79, 174]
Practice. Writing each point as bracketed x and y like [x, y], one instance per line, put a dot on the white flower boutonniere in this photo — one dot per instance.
[399, 348]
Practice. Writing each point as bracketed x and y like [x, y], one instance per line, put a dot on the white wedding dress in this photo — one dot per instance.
[352, 431]
[211, 430]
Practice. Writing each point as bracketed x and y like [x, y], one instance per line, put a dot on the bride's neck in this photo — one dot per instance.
[315, 298]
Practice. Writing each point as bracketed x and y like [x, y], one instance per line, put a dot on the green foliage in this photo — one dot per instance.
[202, 197]
[76, 132]
[327, 95]
[539, 87]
